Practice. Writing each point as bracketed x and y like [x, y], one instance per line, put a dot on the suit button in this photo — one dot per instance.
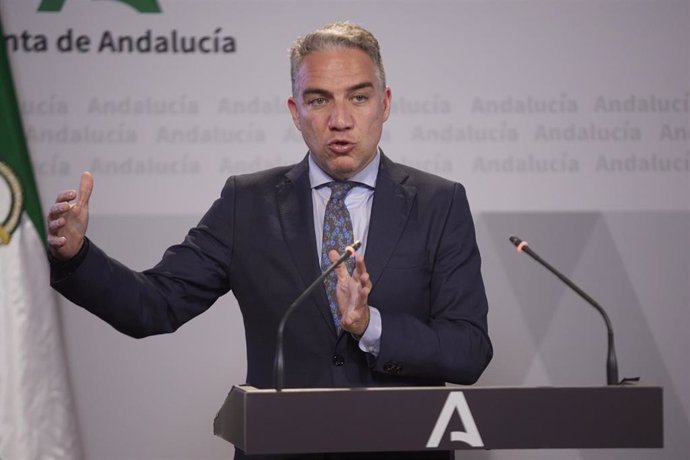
[392, 368]
[338, 360]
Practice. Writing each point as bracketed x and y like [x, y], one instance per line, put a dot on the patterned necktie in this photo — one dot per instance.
[337, 234]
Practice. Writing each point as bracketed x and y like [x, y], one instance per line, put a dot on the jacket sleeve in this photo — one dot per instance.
[186, 282]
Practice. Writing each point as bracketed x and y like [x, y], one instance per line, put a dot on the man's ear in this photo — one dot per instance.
[387, 103]
[292, 106]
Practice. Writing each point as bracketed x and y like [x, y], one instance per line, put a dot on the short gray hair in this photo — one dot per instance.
[333, 36]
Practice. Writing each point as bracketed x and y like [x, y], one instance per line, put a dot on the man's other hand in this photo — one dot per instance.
[68, 219]
[352, 295]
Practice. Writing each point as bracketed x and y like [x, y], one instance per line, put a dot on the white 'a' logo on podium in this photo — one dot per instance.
[456, 402]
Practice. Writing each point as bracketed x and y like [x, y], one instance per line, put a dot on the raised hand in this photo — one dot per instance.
[68, 219]
[352, 294]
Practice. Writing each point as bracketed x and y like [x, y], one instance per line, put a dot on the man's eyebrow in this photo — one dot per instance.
[319, 91]
[358, 86]
[323, 92]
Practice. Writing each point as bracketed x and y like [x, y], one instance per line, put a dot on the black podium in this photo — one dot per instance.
[448, 418]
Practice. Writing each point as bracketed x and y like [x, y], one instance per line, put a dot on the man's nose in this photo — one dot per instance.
[340, 117]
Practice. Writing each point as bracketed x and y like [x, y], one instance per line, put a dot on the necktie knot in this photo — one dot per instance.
[339, 190]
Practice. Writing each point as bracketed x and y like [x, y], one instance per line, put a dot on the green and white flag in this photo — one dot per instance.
[37, 419]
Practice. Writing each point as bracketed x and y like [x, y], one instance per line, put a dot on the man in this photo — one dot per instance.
[414, 314]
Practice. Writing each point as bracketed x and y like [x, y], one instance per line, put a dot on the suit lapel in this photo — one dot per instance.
[293, 196]
[393, 201]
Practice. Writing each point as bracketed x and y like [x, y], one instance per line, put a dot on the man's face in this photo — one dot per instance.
[340, 107]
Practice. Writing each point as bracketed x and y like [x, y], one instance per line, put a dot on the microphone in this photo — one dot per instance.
[611, 362]
[278, 363]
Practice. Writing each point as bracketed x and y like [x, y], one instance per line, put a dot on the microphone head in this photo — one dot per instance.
[518, 243]
[353, 248]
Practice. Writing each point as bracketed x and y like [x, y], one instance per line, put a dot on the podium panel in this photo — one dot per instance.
[260, 421]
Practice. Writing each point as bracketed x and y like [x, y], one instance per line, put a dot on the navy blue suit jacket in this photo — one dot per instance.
[258, 240]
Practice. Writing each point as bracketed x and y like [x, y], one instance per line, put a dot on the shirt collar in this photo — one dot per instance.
[367, 176]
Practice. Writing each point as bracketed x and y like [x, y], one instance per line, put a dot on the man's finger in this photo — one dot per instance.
[56, 241]
[59, 209]
[361, 266]
[85, 188]
[361, 274]
[66, 195]
[340, 270]
[55, 225]
[365, 281]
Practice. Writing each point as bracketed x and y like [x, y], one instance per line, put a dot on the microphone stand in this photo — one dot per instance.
[278, 363]
[611, 361]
